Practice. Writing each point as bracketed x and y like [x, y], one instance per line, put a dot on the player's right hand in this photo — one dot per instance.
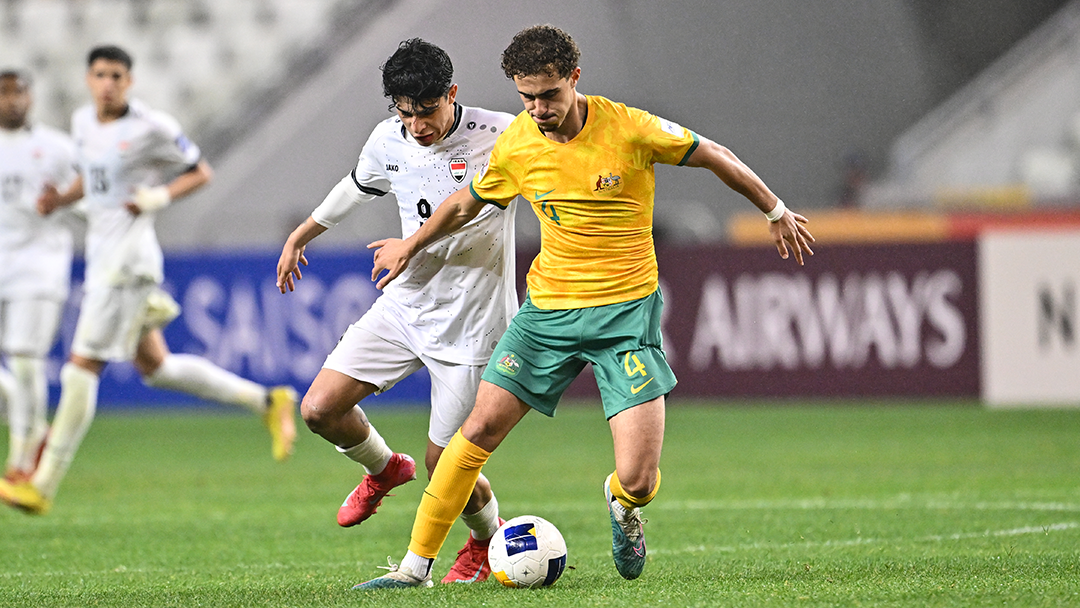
[289, 266]
[391, 255]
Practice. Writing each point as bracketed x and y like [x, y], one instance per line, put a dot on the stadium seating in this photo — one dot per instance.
[197, 59]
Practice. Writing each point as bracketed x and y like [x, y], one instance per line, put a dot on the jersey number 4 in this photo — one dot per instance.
[550, 213]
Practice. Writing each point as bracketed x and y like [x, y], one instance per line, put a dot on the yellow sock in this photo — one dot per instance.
[446, 495]
[628, 501]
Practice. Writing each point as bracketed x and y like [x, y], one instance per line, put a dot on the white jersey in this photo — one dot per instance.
[457, 296]
[143, 147]
[35, 251]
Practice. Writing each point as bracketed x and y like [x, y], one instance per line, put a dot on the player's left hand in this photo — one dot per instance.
[391, 255]
[790, 231]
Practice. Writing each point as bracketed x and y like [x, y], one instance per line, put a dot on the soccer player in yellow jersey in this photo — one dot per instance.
[586, 165]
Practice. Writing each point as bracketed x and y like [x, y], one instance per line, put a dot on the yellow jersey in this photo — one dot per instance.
[594, 197]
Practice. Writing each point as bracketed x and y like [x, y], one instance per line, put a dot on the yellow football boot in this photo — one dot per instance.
[280, 420]
[24, 496]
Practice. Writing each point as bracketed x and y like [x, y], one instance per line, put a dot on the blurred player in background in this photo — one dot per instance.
[133, 162]
[35, 267]
[587, 165]
[445, 312]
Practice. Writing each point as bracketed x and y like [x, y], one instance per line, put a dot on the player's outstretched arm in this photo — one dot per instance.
[52, 199]
[788, 230]
[292, 254]
[393, 255]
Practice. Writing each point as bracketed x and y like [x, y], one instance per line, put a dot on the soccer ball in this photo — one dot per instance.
[527, 551]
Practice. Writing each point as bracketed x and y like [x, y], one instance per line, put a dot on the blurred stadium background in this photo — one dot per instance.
[935, 144]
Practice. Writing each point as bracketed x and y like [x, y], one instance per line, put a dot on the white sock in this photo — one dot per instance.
[484, 522]
[29, 373]
[18, 416]
[420, 566]
[78, 401]
[197, 376]
[372, 452]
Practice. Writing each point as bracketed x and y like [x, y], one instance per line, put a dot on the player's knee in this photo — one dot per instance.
[316, 412]
[481, 430]
[147, 369]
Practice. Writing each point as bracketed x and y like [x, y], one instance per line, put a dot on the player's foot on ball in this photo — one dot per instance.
[280, 420]
[627, 536]
[397, 578]
[25, 497]
[361, 503]
[471, 565]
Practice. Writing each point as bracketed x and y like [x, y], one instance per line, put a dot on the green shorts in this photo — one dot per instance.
[544, 350]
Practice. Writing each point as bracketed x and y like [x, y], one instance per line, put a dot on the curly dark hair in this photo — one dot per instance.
[541, 49]
[417, 71]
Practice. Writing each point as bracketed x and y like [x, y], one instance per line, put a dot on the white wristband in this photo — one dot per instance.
[150, 199]
[777, 212]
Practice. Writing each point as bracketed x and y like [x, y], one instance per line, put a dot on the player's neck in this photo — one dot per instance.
[573, 123]
[109, 114]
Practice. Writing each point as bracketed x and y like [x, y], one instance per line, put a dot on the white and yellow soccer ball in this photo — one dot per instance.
[527, 551]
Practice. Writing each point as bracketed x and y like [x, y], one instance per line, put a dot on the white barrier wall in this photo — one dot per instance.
[1029, 318]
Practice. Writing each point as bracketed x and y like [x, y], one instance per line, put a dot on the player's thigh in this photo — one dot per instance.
[111, 322]
[374, 358]
[538, 356]
[453, 394]
[626, 353]
[334, 393]
[29, 326]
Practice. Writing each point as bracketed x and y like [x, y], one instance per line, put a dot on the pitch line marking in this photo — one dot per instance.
[901, 502]
[1025, 530]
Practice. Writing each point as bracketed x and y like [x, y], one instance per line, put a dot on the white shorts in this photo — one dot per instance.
[28, 327]
[383, 359]
[112, 320]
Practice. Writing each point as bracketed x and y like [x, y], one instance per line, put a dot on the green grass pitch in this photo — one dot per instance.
[796, 504]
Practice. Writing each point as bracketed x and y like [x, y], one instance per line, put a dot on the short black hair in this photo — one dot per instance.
[417, 71]
[19, 76]
[109, 52]
[541, 49]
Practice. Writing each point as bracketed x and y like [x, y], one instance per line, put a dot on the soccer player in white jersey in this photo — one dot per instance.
[35, 267]
[133, 161]
[445, 312]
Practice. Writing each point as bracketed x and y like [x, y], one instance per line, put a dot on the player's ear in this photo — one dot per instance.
[451, 95]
